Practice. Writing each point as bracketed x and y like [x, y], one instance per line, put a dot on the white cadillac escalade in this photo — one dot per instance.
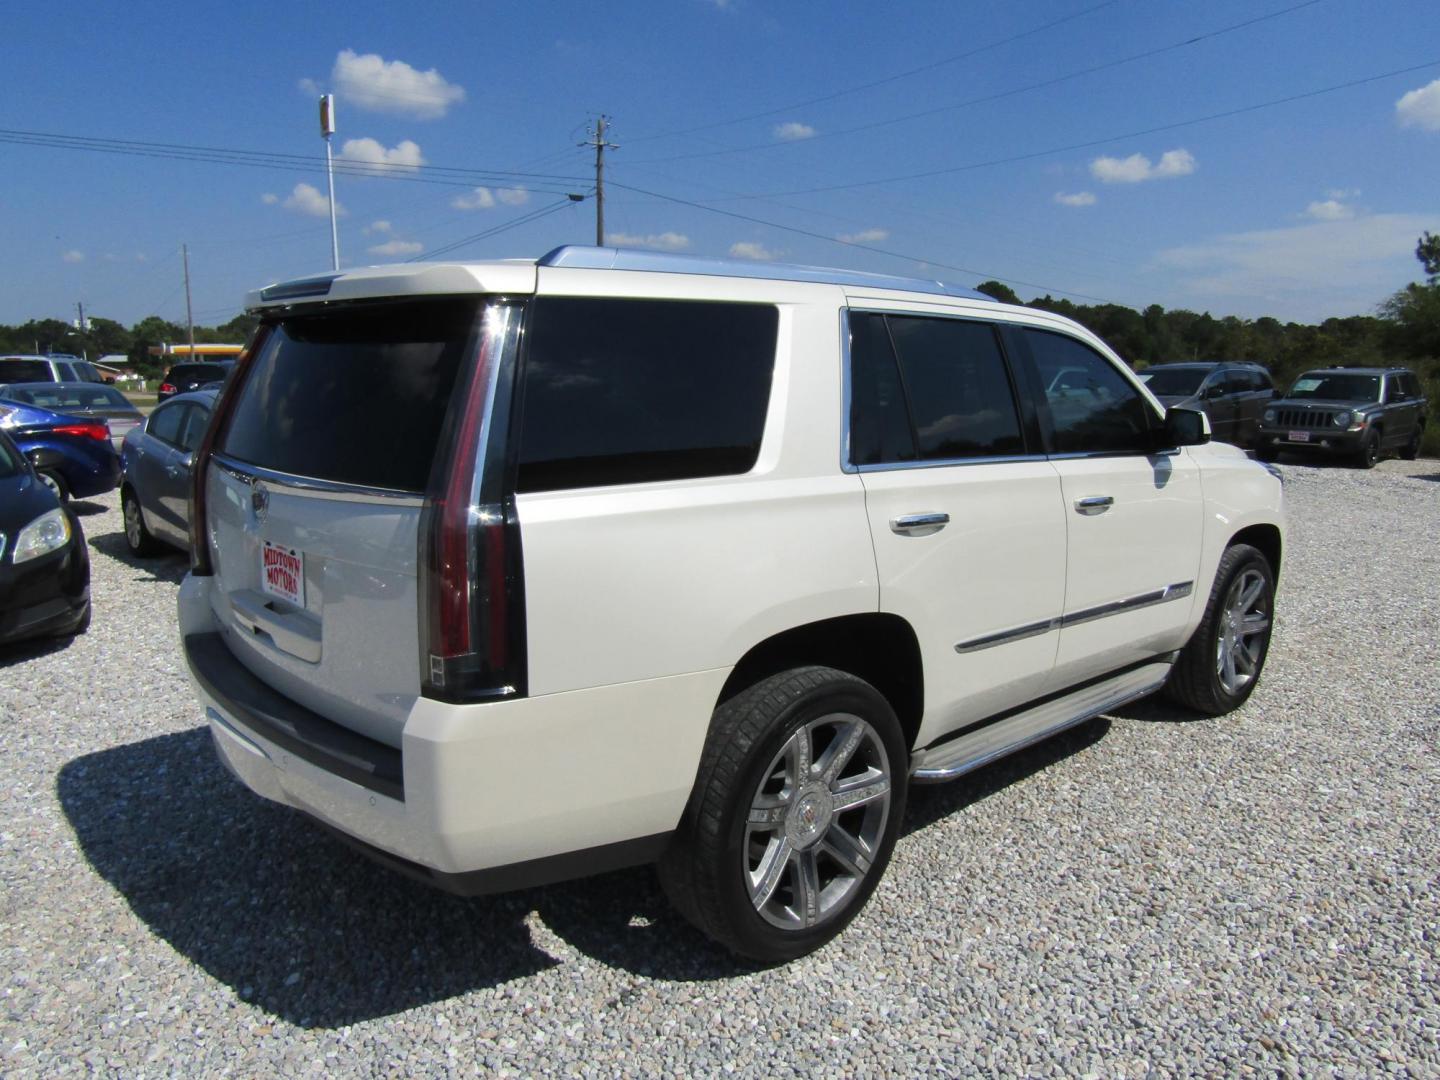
[510, 572]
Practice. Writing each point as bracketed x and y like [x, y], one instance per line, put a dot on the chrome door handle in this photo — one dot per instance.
[1095, 504]
[919, 524]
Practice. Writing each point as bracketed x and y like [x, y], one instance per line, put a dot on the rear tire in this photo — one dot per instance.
[795, 812]
[1412, 448]
[141, 541]
[56, 483]
[1220, 666]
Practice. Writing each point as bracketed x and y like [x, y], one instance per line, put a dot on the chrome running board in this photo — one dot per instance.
[984, 745]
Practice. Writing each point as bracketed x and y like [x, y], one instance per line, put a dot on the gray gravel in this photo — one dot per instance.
[1146, 895]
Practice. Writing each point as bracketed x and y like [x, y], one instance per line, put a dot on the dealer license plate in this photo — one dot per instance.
[282, 573]
[1299, 436]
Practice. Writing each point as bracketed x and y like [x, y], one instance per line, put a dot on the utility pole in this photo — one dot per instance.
[189, 318]
[597, 140]
[327, 128]
[81, 327]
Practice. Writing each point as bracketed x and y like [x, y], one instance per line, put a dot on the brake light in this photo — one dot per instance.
[471, 579]
[97, 431]
[219, 417]
[167, 388]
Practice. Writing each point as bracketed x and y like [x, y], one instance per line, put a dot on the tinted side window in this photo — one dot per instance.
[879, 419]
[1093, 409]
[193, 429]
[630, 391]
[1261, 381]
[958, 390]
[164, 423]
[67, 373]
[22, 371]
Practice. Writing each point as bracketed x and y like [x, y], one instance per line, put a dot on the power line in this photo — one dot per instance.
[997, 96]
[861, 247]
[525, 219]
[1089, 143]
[879, 82]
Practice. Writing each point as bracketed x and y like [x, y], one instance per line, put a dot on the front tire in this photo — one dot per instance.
[1218, 669]
[795, 812]
[56, 483]
[1369, 455]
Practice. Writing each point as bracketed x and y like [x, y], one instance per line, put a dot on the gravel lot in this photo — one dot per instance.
[1148, 894]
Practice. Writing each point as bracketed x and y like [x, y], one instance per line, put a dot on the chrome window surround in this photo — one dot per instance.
[2, 546]
[1177, 591]
[847, 398]
[314, 488]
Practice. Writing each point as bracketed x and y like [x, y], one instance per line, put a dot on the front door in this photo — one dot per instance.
[1133, 515]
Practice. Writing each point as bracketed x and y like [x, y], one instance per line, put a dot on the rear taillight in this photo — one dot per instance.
[167, 388]
[219, 417]
[99, 432]
[472, 616]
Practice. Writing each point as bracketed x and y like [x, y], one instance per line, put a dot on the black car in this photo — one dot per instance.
[44, 564]
[1233, 394]
[184, 378]
[1357, 413]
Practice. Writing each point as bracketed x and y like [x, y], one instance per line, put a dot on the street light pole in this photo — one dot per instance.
[327, 128]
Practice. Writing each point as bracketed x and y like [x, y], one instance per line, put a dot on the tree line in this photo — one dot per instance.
[1404, 330]
[106, 337]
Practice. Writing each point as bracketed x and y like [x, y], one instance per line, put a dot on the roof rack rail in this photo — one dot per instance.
[607, 258]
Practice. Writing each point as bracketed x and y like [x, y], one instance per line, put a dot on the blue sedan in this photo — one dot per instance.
[71, 454]
[154, 496]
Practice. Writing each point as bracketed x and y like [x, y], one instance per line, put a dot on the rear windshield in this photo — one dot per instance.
[355, 396]
[1173, 382]
[69, 396]
[198, 372]
[1321, 384]
[25, 371]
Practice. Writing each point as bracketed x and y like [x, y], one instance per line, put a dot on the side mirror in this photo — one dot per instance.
[1184, 427]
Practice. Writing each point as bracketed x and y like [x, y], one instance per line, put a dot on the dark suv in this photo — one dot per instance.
[1233, 394]
[186, 378]
[1354, 412]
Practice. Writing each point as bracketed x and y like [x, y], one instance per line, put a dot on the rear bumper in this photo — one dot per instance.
[477, 798]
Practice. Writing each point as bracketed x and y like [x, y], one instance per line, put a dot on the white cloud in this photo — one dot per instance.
[479, 199]
[748, 249]
[310, 86]
[73, 256]
[1420, 108]
[381, 226]
[864, 236]
[269, 198]
[404, 157]
[1138, 167]
[1079, 198]
[512, 196]
[1306, 271]
[666, 241]
[397, 247]
[393, 86]
[1329, 210]
[309, 200]
[793, 131]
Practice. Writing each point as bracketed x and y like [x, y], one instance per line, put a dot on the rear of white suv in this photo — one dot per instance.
[515, 572]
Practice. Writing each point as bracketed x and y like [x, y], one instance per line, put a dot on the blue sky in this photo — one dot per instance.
[798, 121]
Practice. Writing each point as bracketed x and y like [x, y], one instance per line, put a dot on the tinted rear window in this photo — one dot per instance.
[356, 396]
[25, 371]
[629, 391]
[198, 372]
[70, 396]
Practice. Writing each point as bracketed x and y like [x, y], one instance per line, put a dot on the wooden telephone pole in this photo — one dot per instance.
[597, 140]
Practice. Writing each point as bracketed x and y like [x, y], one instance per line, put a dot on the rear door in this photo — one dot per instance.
[313, 501]
[1133, 515]
[965, 513]
[1221, 396]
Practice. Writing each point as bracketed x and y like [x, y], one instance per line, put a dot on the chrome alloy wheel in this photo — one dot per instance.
[816, 821]
[1243, 623]
[131, 511]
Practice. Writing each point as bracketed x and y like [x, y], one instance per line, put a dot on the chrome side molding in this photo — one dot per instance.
[1178, 591]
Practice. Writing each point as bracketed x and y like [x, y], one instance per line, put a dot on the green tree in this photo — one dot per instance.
[1428, 252]
[999, 290]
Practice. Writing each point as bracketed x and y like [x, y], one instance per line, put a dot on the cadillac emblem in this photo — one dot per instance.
[259, 501]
